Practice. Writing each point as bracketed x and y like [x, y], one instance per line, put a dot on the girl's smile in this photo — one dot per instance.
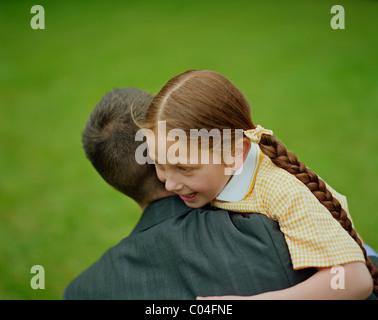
[189, 197]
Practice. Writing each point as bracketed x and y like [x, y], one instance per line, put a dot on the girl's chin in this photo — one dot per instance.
[192, 201]
[193, 205]
[196, 204]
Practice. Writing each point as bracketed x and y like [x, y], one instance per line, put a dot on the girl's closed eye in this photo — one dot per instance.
[185, 169]
[159, 166]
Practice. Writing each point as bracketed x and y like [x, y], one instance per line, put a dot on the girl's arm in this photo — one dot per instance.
[323, 285]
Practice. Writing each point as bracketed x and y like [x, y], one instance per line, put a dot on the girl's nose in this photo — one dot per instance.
[172, 185]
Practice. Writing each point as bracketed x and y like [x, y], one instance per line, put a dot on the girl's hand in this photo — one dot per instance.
[356, 277]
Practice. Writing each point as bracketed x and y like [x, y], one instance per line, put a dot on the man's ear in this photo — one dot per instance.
[241, 152]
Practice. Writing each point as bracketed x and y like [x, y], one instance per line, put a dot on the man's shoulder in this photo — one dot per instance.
[128, 262]
[156, 261]
[95, 281]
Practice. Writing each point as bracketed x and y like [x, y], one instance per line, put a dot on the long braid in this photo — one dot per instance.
[287, 160]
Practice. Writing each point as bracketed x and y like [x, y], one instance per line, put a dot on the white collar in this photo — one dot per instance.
[243, 179]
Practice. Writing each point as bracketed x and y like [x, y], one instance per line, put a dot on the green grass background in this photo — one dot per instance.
[316, 87]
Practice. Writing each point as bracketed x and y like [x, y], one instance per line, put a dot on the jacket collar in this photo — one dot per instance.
[160, 210]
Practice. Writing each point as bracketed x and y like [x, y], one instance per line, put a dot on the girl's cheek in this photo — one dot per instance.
[199, 185]
[160, 174]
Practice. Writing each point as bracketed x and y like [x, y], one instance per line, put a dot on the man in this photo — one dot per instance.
[174, 252]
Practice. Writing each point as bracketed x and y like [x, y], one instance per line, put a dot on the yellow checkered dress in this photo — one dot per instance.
[313, 236]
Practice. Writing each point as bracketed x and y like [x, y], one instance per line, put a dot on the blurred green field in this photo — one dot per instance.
[316, 87]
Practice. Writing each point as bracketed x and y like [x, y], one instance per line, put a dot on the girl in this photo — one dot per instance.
[312, 216]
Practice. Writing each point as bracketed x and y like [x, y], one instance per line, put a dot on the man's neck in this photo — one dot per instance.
[160, 195]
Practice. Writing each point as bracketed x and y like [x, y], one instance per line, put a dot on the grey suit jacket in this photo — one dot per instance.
[176, 252]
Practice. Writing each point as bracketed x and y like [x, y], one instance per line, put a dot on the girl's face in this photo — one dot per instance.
[197, 184]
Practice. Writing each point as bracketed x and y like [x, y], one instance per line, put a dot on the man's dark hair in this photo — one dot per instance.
[109, 143]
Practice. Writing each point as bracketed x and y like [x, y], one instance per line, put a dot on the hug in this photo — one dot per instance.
[253, 223]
